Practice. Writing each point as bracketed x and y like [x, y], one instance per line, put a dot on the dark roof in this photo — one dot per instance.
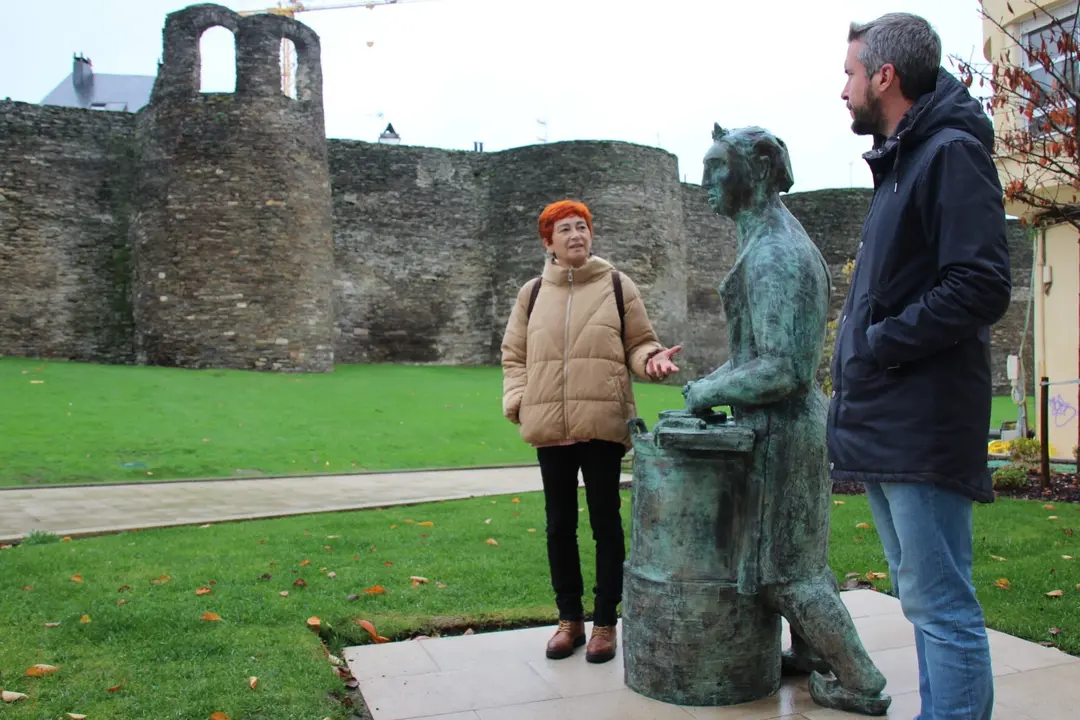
[107, 92]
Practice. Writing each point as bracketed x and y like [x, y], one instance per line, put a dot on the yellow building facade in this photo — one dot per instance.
[1055, 278]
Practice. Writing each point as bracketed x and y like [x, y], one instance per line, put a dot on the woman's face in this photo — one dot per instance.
[570, 241]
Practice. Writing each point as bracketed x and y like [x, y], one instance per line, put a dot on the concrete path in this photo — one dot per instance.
[87, 510]
[505, 676]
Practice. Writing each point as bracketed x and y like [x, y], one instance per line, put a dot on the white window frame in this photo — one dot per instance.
[1033, 26]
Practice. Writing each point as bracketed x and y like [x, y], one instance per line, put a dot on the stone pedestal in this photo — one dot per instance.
[695, 631]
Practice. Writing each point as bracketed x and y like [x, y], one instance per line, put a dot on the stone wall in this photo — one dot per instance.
[232, 237]
[65, 261]
[224, 230]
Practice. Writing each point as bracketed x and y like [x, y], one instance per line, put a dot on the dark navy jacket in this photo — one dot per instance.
[911, 364]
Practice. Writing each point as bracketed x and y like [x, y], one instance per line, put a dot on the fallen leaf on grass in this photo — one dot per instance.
[203, 591]
[488, 521]
[1066, 557]
[124, 589]
[863, 526]
[304, 563]
[300, 582]
[76, 578]
[10, 697]
[314, 623]
[28, 588]
[427, 523]
[66, 538]
[210, 617]
[492, 541]
[76, 716]
[1052, 517]
[375, 637]
[333, 537]
[41, 670]
[516, 500]
[1002, 583]
[409, 522]
[328, 548]
[219, 716]
[52, 625]
[998, 558]
[115, 688]
[838, 502]
[1054, 631]
[393, 527]
[331, 574]
[1048, 507]
[532, 530]
[876, 575]
[120, 602]
[284, 593]
[374, 590]
[252, 682]
[388, 564]
[441, 586]
[418, 579]
[1055, 593]
[266, 576]
[161, 580]
[85, 619]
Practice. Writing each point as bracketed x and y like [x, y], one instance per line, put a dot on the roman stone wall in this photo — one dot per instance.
[65, 264]
[232, 237]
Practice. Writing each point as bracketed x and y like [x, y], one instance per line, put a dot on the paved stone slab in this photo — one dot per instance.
[96, 509]
[505, 676]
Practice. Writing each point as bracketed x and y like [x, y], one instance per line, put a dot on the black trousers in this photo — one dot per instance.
[599, 462]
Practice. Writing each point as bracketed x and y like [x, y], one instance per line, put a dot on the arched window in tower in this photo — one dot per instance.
[290, 64]
[217, 60]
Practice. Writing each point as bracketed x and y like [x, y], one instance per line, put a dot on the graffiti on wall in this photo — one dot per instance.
[1062, 411]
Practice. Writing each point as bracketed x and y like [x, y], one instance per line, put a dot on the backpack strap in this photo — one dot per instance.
[616, 281]
[532, 297]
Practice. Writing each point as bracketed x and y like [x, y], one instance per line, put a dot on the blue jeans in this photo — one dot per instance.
[926, 531]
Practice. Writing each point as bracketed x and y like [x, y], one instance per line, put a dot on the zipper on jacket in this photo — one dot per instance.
[566, 353]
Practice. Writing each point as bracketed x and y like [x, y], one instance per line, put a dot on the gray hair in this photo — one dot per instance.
[905, 41]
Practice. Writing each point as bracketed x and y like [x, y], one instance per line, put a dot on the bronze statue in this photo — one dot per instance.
[731, 517]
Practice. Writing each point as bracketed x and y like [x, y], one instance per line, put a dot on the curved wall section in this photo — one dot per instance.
[232, 233]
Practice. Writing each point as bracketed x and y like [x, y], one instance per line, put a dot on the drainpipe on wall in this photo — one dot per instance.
[1044, 388]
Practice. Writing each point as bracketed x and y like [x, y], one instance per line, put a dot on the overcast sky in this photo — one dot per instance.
[450, 72]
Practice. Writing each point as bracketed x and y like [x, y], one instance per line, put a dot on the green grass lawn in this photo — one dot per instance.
[168, 662]
[73, 422]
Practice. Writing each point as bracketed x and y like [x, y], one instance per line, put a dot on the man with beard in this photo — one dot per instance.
[910, 407]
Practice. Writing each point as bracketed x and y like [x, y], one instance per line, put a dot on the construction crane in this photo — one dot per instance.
[289, 9]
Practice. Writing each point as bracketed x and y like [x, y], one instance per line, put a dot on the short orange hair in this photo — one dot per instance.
[561, 210]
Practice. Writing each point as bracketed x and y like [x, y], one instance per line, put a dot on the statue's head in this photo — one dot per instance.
[745, 167]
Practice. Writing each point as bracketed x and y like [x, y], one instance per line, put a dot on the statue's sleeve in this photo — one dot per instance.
[514, 350]
[640, 340]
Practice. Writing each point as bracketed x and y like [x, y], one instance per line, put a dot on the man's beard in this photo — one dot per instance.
[869, 118]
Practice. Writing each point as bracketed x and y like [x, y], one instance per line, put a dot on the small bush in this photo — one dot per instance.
[1025, 450]
[1011, 476]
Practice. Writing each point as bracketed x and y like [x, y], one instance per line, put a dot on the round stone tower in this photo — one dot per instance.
[232, 241]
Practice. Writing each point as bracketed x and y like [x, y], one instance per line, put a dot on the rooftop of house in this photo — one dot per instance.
[84, 88]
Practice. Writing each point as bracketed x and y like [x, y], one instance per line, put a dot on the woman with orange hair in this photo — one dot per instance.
[570, 339]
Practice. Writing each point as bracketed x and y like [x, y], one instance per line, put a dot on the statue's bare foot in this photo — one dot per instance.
[792, 663]
[827, 692]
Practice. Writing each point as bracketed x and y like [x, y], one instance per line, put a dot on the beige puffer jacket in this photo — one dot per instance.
[565, 372]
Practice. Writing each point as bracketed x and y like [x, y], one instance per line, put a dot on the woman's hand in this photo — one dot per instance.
[660, 365]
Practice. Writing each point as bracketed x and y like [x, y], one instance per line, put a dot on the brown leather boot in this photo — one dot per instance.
[570, 635]
[602, 644]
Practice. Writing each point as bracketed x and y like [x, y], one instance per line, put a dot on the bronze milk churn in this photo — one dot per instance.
[695, 629]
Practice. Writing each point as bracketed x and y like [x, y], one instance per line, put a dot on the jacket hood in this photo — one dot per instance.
[593, 267]
[949, 105]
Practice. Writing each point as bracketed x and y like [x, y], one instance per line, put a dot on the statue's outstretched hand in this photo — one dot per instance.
[660, 365]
